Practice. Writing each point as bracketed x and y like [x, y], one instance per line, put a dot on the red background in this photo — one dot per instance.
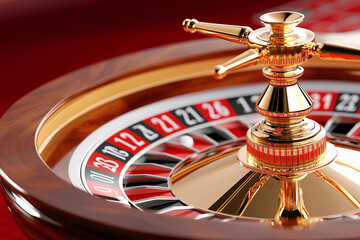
[44, 39]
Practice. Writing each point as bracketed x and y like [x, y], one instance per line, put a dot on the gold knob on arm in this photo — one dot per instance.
[232, 33]
[247, 58]
[334, 51]
[281, 45]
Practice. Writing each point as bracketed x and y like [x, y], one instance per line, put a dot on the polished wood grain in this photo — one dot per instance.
[62, 212]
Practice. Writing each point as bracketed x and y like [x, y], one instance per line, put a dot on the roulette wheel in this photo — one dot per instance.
[146, 146]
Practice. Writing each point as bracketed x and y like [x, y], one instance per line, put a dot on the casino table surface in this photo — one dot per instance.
[42, 40]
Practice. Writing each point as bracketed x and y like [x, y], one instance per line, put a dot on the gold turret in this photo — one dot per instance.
[285, 142]
[285, 145]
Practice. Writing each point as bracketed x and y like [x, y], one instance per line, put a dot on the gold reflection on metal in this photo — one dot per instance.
[245, 59]
[291, 209]
[258, 163]
[226, 187]
[285, 149]
[336, 185]
[198, 164]
[333, 51]
[293, 99]
[251, 193]
[283, 47]
[280, 43]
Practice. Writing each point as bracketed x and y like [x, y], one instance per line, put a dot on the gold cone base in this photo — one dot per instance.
[286, 148]
[290, 100]
[319, 162]
[219, 184]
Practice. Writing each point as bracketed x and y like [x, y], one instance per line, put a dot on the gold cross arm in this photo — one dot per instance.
[280, 44]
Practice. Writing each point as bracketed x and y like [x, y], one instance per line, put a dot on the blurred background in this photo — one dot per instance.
[41, 40]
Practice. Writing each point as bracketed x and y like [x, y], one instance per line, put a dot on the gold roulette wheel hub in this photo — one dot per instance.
[44, 202]
[284, 150]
